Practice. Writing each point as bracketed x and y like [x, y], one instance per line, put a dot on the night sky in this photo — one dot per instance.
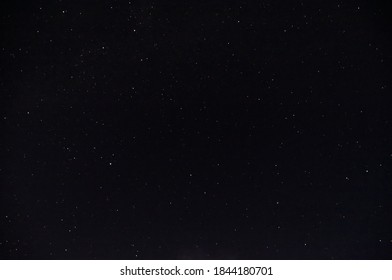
[204, 130]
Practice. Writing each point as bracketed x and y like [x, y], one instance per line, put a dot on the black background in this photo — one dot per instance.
[212, 130]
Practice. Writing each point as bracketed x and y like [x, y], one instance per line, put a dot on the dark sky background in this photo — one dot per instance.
[211, 129]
